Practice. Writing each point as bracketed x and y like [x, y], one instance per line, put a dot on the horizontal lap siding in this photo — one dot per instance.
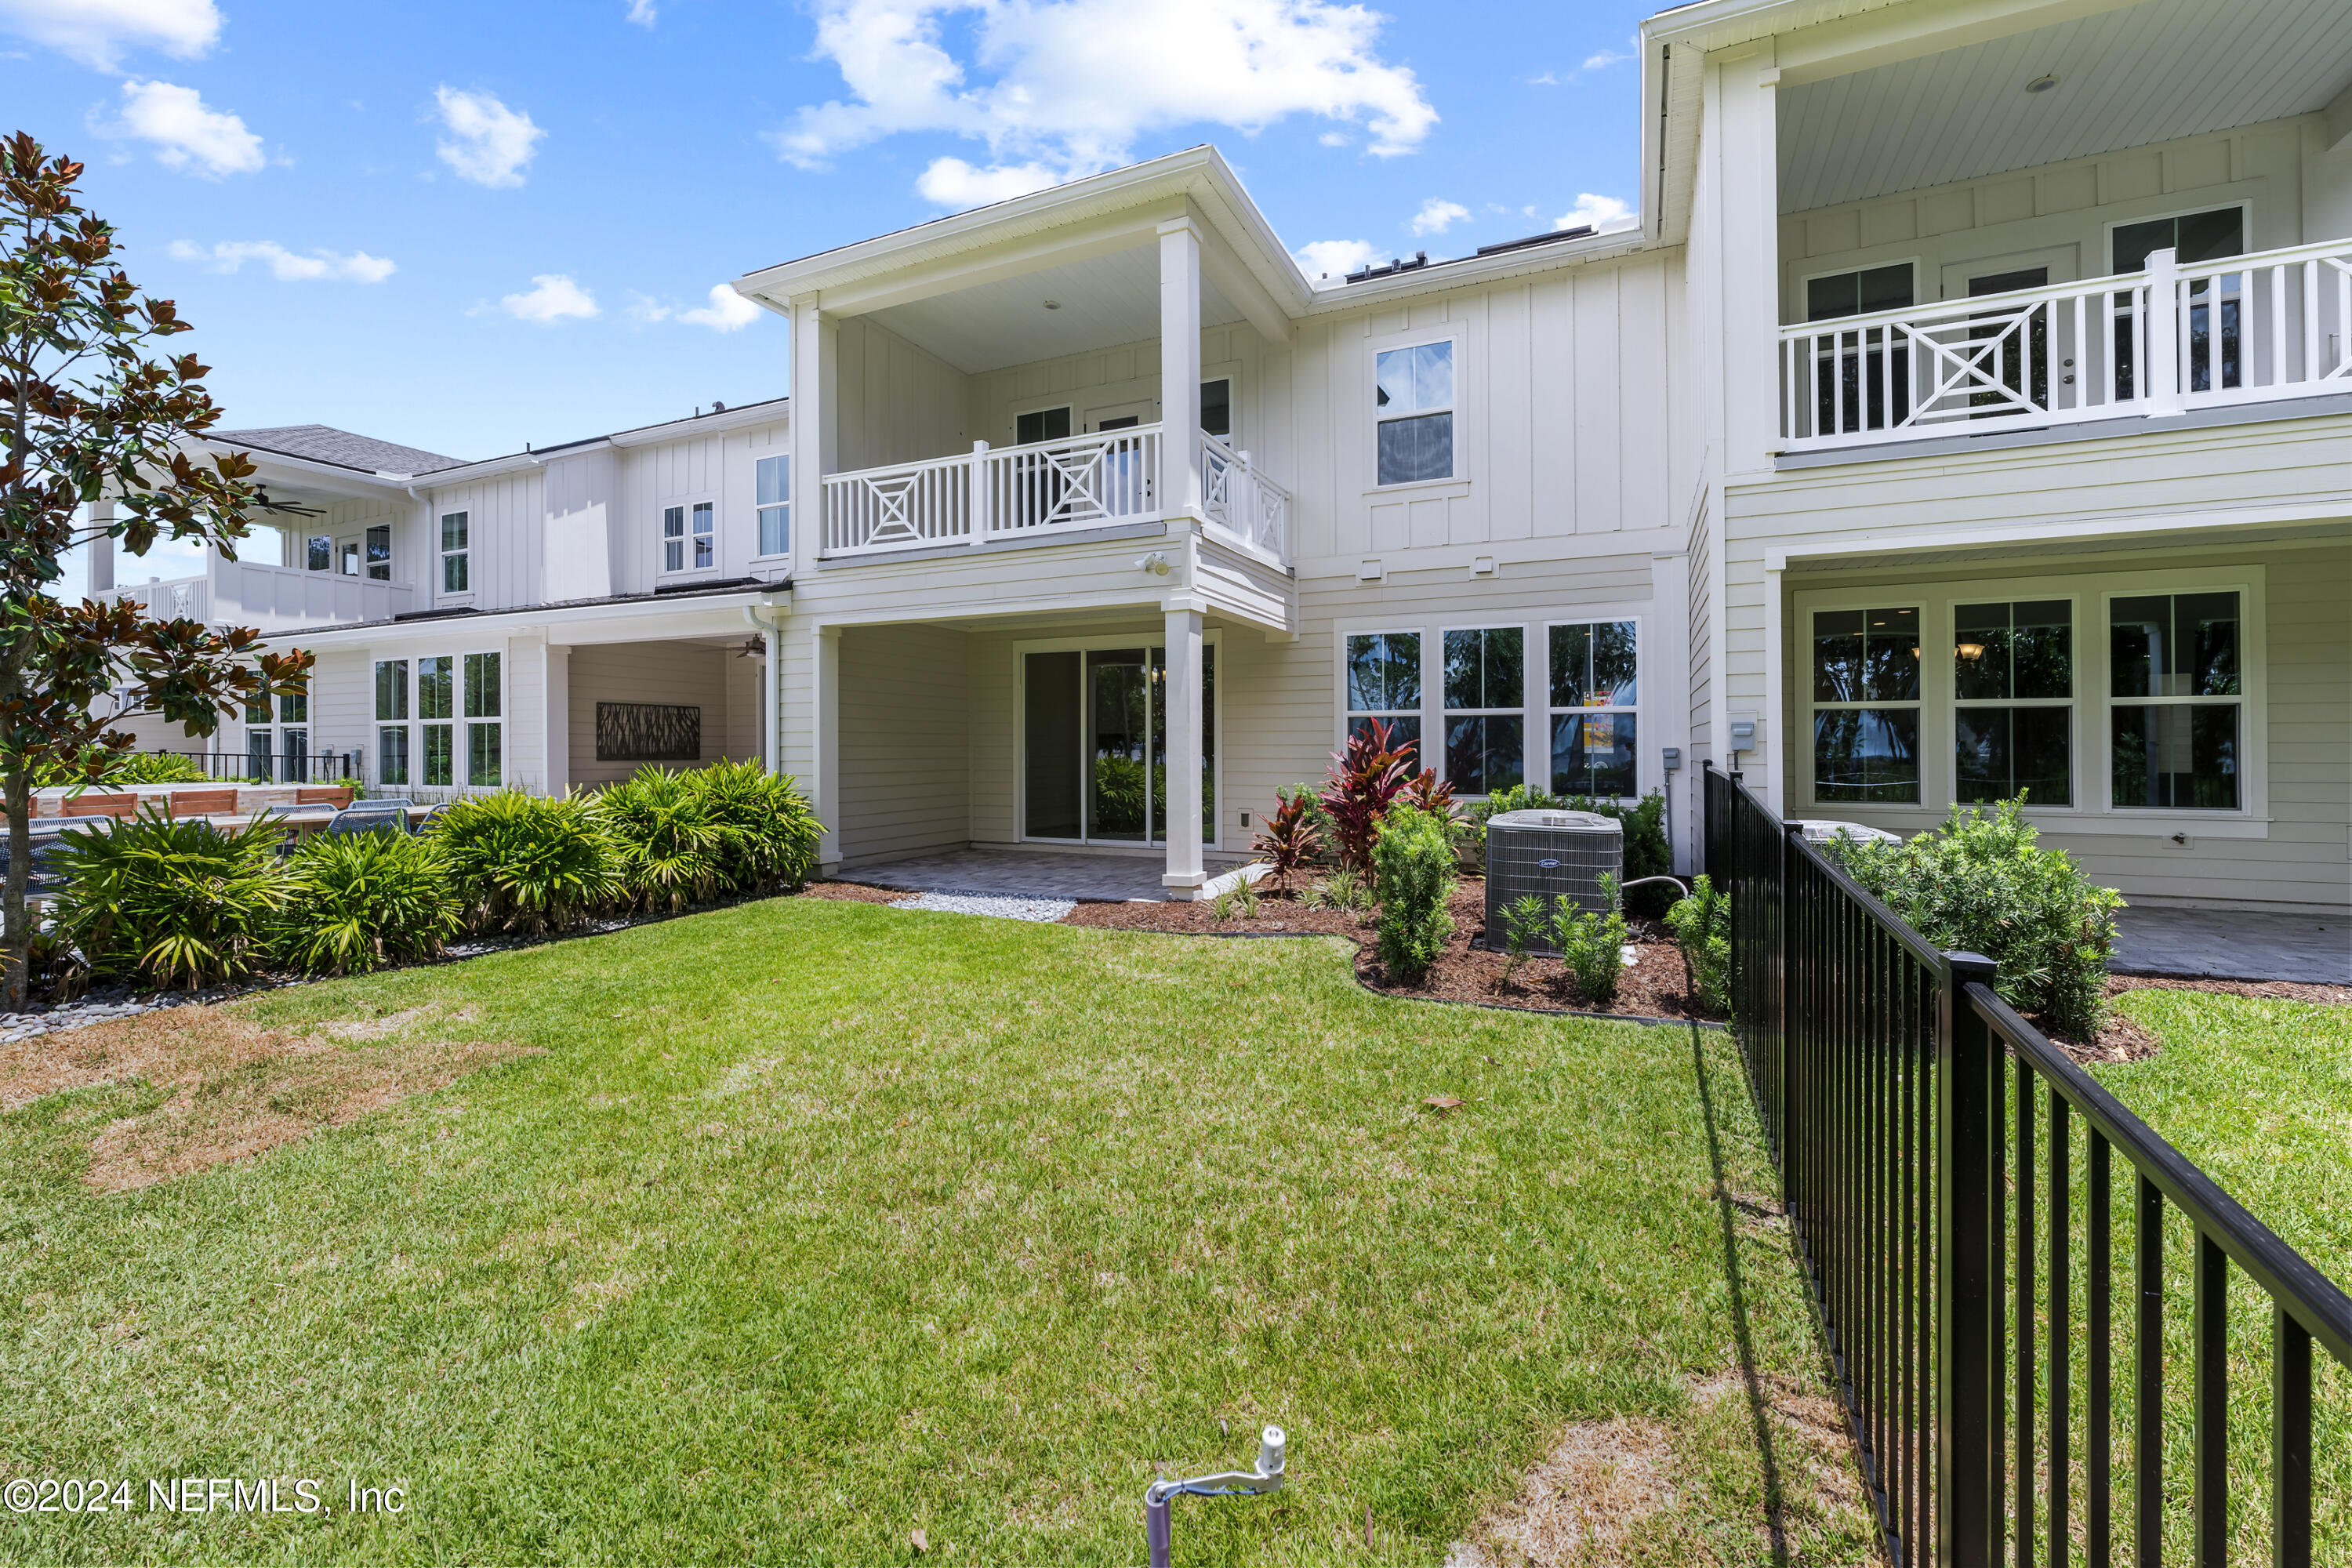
[903, 742]
[678, 673]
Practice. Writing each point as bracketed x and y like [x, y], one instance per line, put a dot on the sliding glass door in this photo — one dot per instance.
[1094, 736]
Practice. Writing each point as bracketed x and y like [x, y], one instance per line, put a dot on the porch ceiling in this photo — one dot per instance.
[1104, 301]
[2128, 77]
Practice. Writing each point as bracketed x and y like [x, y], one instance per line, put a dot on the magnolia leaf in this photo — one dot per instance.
[1442, 1103]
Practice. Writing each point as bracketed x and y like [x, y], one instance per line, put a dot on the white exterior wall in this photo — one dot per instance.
[682, 673]
[895, 403]
[505, 516]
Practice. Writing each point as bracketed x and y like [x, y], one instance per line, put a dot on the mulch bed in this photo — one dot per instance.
[1650, 987]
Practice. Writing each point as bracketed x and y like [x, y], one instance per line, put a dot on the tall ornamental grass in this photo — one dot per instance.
[357, 901]
[530, 863]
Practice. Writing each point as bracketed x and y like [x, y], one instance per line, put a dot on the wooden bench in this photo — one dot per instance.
[339, 797]
[95, 804]
[203, 801]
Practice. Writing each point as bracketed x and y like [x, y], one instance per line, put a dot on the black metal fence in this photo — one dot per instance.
[259, 766]
[1963, 1256]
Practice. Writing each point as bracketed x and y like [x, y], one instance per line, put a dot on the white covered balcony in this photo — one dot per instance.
[2239, 329]
[269, 597]
[1037, 490]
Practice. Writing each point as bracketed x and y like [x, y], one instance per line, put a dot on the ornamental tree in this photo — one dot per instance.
[85, 415]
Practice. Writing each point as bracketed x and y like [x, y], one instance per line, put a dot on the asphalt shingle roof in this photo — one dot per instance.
[325, 444]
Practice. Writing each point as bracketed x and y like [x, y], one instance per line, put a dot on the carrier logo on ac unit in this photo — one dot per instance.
[1548, 864]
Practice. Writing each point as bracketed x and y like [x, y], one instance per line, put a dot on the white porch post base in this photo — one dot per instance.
[1185, 875]
[826, 744]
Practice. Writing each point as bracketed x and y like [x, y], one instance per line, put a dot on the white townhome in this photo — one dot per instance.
[1970, 412]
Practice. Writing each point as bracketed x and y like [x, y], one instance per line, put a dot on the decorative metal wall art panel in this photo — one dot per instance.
[648, 732]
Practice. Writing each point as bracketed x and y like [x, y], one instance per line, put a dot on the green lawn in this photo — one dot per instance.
[817, 1223]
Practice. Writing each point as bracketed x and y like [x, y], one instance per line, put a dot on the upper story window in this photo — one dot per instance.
[1042, 425]
[1858, 293]
[1413, 407]
[456, 576]
[378, 553]
[318, 552]
[689, 537]
[1217, 407]
[2191, 236]
[771, 487]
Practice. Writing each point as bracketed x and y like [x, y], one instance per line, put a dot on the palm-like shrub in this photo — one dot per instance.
[769, 832]
[166, 901]
[1592, 943]
[1290, 840]
[1413, 859]
[530, 863]
[359, 900]
[671, 844]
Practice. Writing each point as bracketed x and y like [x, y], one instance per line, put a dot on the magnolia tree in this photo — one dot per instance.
[85, 415]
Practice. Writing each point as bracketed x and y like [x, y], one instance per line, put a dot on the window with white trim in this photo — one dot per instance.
[378, 553]
[484, 730]
[1593, 702]
[2012, 709]
[447, 728]
[2176, 701]
[1413, 398]
[278, 738]
[456, 576]
[1383, 682]
[318, 552]
[1485, 708]
[391, 722]
[772, 493]
[689, 537]
[1865, 704]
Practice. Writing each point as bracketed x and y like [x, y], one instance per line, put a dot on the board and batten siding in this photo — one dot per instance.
[2056, 216]
[892, 402]
[505, 523]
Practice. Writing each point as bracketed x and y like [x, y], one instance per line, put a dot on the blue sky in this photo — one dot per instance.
[467, 226]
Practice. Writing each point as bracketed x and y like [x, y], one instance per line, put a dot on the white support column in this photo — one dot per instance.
[1184, 876]
[101, 548]
[771, 692]
[811, 429]
[557, 690]
[1180, 370]
[2167, 329]
[825, 741]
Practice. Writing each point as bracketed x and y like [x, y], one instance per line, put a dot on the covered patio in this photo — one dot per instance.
[1035, 874]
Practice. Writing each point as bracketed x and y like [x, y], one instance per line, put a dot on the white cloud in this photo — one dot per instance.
[1338, 257]
[1548, 78]
[97, 32]
[952, 183]
[1603, 61]
[554, 297]
[487, 143]
[185, 134]
[1605, 213]
[1436, 216]
[728, 311]
[229, 255]
[1068, 86]
[642, 13]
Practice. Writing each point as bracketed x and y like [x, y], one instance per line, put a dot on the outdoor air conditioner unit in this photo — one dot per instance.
[1554, 855]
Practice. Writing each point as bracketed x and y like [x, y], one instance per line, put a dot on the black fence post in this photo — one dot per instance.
[1970, 1101]
[1785, 963]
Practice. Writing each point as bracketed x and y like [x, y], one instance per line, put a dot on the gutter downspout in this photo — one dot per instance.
[767, 620]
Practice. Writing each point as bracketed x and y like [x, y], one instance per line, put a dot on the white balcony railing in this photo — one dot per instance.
[268, 598]
[1040, 489]
[2138, 344]
[1240, 498]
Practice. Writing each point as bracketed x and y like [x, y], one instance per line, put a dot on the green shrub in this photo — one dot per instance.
[1413, 862]
[672, 847]
[1527, 922]
[1594, 945]
[169, 902]
[769, 834]
[1702, 924]
[131, 768]
[1979, 884]
[1342, 890]
[356, 901]
[529, 863]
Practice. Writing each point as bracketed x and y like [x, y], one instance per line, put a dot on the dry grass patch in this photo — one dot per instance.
[232, 1090]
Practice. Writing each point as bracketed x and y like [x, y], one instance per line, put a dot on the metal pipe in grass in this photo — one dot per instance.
[1266, 1478]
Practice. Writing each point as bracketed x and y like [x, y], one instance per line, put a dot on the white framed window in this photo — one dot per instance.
[278, 738]
[2121, 701]
[456, 575]
[347, 558]
[1379, 678]
[771, 495]
[378, 553]
[1414, 413]
[2012, 702]
[440, 721]
[318, 552]
[1485, 690]
[2176, 703]
[689, 537]
[1863, 667]
[1592, 698]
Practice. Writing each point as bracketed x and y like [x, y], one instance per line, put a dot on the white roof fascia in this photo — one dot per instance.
[768, 411]
[1198, 173]
[525, 617]
[264, 458]
[1439, 277]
